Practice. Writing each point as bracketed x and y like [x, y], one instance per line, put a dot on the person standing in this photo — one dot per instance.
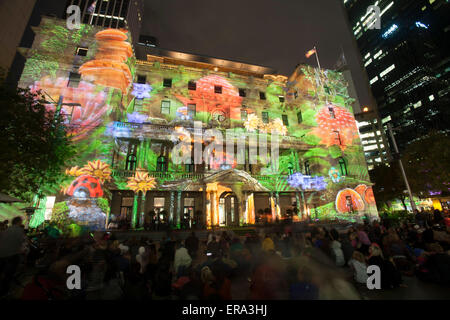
[192, 243]
[11, 247]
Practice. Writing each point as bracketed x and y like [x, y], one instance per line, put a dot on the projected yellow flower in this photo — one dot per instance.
[278, 126]
[141, 182]
[252, 122]
[98, 169]
[264, 127]
[75, 171]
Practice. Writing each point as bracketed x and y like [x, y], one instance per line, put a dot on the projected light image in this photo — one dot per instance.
[125, 125]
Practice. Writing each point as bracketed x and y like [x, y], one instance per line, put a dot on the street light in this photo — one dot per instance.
[394, 142]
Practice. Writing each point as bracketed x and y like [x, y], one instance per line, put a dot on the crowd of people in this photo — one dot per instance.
[318, 263]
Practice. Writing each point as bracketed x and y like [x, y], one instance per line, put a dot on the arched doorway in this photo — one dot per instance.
[228, 209]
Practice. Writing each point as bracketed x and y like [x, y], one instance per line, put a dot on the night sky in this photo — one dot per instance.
[272, 33]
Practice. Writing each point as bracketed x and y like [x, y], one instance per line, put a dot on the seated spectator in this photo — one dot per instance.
[358, 264]
[182, 259]
[390, 276]
[335, 249]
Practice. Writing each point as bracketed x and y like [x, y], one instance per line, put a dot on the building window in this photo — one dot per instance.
[290, 169]
[192, 85]
[331, 110]
[343, 166]
[262, 95]
[167, 83]
[265, 117]
[285, 119]
[131, 159]
[242, 93]
[218, 89]
[82, 52]
[158, 203]
[74, 80]
[299, 117]
[141, 79]
[244, 115]
[161, 164]
[338, 137]
[189, 167]
[191, 110]
[281, 98]
[307, 168]
[165, 107]
[126, 207]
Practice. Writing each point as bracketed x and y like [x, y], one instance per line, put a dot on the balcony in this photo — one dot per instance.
[172, 176]
[193, 176]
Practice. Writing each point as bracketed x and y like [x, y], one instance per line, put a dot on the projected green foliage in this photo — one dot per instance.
[301, 114]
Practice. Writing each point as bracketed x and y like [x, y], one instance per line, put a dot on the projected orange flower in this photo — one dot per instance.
[83, 118]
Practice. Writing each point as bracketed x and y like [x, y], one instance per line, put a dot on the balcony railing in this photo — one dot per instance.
[193, 176]
[161, 175]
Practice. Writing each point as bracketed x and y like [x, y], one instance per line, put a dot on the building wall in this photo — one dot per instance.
[121, 128]
[14, 16]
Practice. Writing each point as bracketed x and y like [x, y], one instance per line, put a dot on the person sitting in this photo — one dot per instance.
[358, 264]
[268, 244]
[390, 276]
[182, 259]
[335, 248]
[192, 244]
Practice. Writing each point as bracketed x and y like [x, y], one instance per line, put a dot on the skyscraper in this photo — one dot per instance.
[115, 14]
[406, 61]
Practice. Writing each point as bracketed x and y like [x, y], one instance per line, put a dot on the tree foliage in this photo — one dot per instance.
[389, 184]
[34, 145]
[426, 162]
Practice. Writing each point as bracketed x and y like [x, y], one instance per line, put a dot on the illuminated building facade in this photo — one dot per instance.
[407, 63]
[131, 116]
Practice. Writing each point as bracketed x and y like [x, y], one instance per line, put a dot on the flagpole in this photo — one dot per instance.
[317, 57]
[320, 71]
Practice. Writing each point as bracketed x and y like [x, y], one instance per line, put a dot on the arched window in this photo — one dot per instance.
[343, 166]
[290, 169]
[130, 163]
[161, 164]
[307, 168]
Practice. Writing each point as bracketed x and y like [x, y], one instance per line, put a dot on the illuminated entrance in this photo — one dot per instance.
[228, 209]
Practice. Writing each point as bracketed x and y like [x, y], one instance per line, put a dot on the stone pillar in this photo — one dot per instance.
[299, 208]
[172, 206]
[178, 217]
[142, 217]
[135, 210]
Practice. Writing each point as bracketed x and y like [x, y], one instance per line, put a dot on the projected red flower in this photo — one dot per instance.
[228, 102]
[337, 126]
[82, 119]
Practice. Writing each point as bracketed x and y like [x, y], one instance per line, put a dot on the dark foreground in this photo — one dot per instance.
[295, 262]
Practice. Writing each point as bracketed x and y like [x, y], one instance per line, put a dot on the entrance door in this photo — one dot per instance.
[228, 210]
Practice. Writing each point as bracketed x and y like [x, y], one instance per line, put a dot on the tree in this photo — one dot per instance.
[389, 184]
[426, 162]
[34, 145]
